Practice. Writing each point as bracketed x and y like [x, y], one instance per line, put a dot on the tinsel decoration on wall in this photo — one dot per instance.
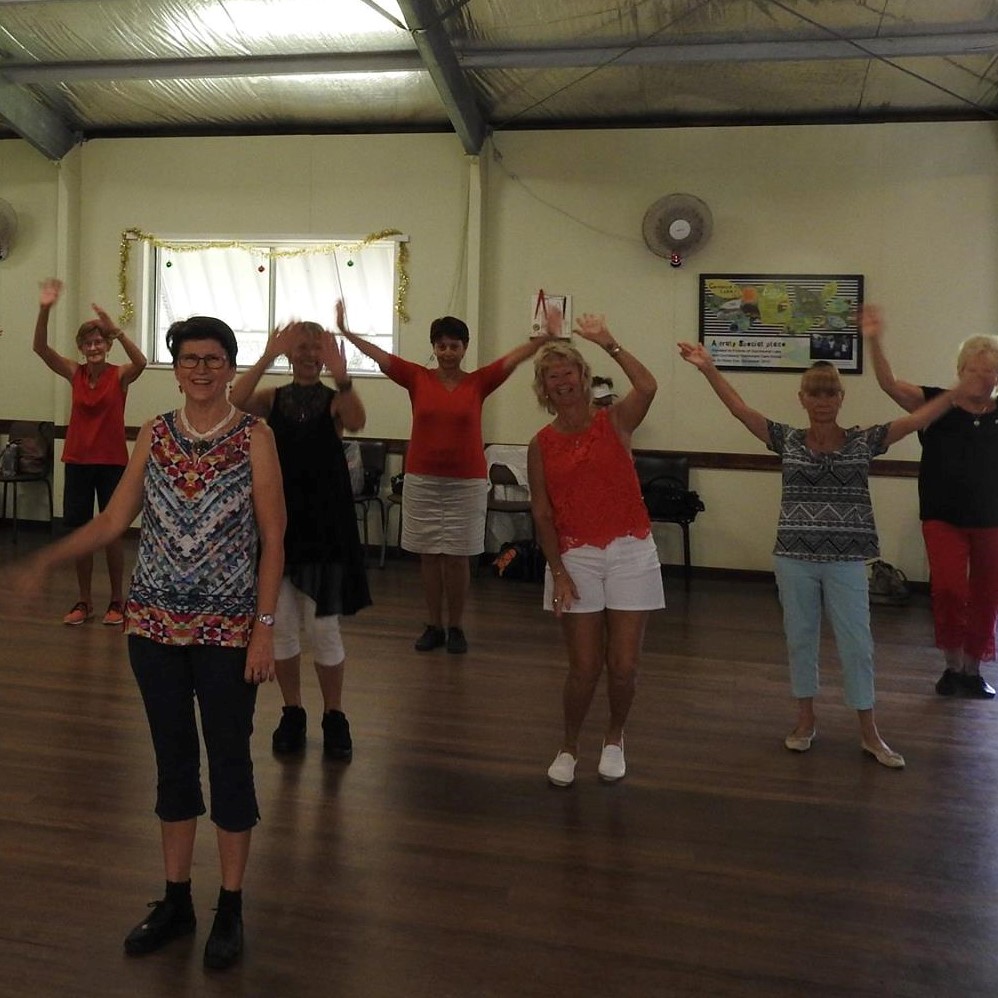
[129, 236]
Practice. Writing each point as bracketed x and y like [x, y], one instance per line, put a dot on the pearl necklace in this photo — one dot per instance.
[200, 440]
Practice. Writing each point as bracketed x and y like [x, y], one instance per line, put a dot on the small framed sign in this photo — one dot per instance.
[542, 304]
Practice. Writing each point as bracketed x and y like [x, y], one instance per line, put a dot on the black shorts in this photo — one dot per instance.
[83, 483]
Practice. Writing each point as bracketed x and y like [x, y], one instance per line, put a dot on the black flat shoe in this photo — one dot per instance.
[949, 683]
[975, 685]
[336, 740]
[225, 942]
[166, 923]
[432, 637]
[457, 643]
[289, 735]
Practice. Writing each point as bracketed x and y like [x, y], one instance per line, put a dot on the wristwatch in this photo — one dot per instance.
[267, 619]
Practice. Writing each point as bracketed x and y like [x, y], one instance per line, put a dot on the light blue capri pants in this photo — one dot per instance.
[845, 591]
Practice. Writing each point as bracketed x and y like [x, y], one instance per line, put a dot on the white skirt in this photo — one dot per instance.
[444, 515]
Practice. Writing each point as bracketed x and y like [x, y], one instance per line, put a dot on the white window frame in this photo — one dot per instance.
[337, 274]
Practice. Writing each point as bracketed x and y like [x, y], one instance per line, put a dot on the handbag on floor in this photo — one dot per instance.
[888, 585]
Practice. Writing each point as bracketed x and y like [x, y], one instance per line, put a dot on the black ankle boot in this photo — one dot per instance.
[169, 920]
[289, 736]
[225, 941]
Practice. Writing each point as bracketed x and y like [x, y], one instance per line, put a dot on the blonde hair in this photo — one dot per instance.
[821, 378]
[559, 352]
[973, 347]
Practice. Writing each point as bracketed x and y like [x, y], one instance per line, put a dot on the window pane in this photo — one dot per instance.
[221, 282]
[308, 286]
[247, 286]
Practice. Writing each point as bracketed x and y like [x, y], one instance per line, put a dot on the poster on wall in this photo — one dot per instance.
[782, 322]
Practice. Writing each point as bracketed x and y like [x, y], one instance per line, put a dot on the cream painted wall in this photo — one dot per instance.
[311, 186]
[910, 206]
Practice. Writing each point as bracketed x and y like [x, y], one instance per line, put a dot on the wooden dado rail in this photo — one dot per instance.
[714, 460]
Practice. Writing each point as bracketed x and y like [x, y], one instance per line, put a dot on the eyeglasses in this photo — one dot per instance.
[191, 360]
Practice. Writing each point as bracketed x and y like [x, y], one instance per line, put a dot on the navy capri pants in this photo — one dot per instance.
[170, 678]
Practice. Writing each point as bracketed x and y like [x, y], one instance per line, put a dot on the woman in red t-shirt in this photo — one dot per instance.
[446, 481]
[603, 575]
[95, 453]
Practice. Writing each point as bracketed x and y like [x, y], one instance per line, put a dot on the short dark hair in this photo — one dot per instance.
[201, 327]
[449, 327]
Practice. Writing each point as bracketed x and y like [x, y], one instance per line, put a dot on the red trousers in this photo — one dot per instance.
[963, 563]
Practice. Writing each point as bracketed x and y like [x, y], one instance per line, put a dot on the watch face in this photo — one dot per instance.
[267, 619]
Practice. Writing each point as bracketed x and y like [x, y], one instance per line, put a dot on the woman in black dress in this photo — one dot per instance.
[324, 574]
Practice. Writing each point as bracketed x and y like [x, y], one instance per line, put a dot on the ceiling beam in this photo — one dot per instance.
[758, 50]
[35, 123]
[408, 61]
[458, 98]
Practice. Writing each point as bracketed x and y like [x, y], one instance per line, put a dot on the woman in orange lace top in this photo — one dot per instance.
[603, 576]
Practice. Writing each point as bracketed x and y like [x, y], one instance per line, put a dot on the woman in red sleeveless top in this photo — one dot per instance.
[95, 453]
[603, 575]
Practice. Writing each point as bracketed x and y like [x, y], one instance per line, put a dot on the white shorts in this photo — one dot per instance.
[294, 611]
[625, 575]
[444, 515]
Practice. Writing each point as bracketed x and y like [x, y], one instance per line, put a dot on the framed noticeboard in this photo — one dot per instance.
[782, 322]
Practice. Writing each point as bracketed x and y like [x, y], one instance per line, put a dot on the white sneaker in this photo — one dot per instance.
[611, 763]
[561, 772]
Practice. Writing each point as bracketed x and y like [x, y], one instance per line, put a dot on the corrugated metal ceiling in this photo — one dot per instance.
[72, 69]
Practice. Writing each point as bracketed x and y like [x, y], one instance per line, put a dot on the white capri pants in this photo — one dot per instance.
[294, 611]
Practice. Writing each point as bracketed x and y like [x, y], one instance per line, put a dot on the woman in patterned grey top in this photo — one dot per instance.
[824, 536]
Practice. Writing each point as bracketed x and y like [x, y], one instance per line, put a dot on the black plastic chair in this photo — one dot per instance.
[662, 471]
[374, 454]
[39, 439]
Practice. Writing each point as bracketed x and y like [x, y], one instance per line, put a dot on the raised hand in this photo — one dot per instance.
[341, 315]
[283, 339]
[332, 353]
[592, 326]
[696, 354]
[51, 288]
[107, 325]
[554, 321]
[871, 322]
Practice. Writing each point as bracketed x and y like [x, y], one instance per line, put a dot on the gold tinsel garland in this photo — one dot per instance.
[134, 235]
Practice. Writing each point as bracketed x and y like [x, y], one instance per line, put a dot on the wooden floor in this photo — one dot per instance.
[439, 862]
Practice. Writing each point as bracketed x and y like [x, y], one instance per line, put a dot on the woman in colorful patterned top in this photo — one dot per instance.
[324, 573]
[603, 575]
[446, 481]
[199, 616]
[95, 453]
[825, 535]
[958, 507]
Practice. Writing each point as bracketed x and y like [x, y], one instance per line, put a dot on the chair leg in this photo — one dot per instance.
[384, 532]
[687, 569]
[15, 512]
